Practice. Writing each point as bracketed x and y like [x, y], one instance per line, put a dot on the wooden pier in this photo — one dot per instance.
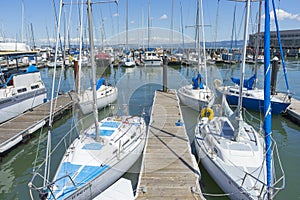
[169, 170]
[293, 111]
[15, 130]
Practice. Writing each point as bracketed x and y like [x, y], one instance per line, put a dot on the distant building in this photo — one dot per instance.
[290, 40]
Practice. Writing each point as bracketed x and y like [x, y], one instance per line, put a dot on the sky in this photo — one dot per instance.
[219, 20]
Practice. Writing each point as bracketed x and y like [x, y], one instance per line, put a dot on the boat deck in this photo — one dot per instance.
[169, 169]
[15, 130]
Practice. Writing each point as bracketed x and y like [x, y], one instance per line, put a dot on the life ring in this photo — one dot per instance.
[217, 83]
[210, 112]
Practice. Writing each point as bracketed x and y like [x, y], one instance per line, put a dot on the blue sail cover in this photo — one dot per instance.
[100, 82]
[31, 69]
[248, 83]
[197, 82]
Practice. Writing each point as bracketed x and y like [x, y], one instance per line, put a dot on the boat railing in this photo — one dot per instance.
[278, 178]
[43, 190]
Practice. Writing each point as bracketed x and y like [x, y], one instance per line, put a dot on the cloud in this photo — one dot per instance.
[282, 15]
[132, 22]
[116, 15]
[163, 17]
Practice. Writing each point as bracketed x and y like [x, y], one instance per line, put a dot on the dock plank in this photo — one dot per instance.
[293, 111]
[12, 130]
[169, 170]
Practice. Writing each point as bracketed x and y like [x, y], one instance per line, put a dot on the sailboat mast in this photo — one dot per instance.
[280, 48]
[198, 34]
[203, 42]
[47, 162]
[126, 26]
[80, 44]
[182, 34]
[267, 97]
[148, 24]
[172, 26]
[23, 21]
[240, 102]
[91, 40]
[257, 39]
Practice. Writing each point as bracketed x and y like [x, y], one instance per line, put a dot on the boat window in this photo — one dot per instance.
[35, 87]
[227, 130]
[125, 143]
[21, 90]
[133, 135]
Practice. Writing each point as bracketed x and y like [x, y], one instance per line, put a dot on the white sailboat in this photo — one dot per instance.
[233, 152]
[96, 158]
[106, 94]
[20, 90]
[198, 95]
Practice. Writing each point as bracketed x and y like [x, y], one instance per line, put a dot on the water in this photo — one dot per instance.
[136, 89]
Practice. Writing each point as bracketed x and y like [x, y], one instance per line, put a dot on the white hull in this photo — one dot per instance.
[18, 108]
[153, 62]
[195, 99]
[20, 92]
[101, 183]
[95, 165]
[103, 100]
[225, 182]
[238, 167]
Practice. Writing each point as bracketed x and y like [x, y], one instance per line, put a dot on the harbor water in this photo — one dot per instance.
[136, 90]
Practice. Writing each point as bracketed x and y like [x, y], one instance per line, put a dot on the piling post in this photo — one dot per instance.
[275, 69]
[165, 69]
[76, 76]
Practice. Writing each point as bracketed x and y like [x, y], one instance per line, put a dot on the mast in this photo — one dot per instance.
[127, 26]
[280, 48]
[182, 35]
[80, 44]
[267, 96]
[148, 24]
[203, 42]
[240, 100]
[217, 20]
[47, 161]
[198, 34]
[91, 40]
[257, 39]
[23, 21]
[172, 26]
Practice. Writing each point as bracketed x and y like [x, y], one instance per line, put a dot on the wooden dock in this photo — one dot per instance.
[293, 111]
[15, 130]
[169, 170]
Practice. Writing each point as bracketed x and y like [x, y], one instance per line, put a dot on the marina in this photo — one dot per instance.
[139, 101]
[145, 81]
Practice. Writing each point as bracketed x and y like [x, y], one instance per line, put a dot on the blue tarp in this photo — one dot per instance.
[100, 82]
[197, 82]
[248, 83]
[32, 68]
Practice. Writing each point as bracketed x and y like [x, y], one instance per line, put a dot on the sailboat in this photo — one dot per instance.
[96, 158]
[197, 95]
[20, 90]
[106, 94]
[233, 152]
[253, 97]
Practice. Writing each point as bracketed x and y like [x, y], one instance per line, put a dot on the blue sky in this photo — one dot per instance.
[40, 13]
